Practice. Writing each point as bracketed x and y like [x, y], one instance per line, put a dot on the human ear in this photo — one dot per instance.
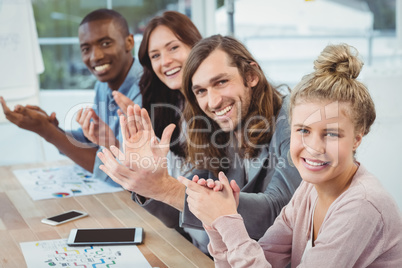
[252, 78]
[358, 141]
[129, 43]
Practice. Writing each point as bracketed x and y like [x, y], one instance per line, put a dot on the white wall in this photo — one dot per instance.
[380, 149]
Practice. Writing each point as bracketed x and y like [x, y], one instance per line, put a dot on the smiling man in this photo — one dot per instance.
[220, 91]
[236, 122]
[106, 49]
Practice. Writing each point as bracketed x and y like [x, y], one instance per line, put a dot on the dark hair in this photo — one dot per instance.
[266, 101]
[153, 90]
[108, 14]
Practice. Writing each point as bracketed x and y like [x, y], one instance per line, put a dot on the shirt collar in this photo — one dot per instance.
[132, 77]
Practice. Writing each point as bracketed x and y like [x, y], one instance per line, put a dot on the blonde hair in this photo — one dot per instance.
[334, 79]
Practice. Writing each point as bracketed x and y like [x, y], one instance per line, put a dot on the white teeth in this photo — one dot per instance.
[311, 163]
[101, 67]
[173, 71]
[224, 111]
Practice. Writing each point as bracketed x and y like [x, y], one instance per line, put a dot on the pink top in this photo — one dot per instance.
[362, 228]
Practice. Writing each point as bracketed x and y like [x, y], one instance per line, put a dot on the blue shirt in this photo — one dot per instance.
[106, 108]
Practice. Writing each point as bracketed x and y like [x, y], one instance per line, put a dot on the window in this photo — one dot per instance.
[286, 36]
[57, 24]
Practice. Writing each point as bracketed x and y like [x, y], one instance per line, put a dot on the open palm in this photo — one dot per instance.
[142, 150]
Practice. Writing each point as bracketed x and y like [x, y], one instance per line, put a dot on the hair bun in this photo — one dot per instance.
[338, 60]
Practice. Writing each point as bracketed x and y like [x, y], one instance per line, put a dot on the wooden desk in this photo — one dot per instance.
[20, 221]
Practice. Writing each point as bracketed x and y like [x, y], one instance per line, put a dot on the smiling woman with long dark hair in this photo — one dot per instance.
[165, 46]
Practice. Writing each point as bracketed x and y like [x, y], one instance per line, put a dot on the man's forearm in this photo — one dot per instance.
[82, 154]
[174, 193]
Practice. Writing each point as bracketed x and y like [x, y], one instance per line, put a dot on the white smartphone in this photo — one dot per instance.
[65, 217]
[106, 236]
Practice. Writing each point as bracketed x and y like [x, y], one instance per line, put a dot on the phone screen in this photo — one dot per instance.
[66, 216]
[105, 235]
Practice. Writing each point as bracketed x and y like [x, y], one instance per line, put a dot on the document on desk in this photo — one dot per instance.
[62, 181]
[56, 253]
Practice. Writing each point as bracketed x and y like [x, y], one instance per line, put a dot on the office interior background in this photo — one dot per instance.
[285, 36]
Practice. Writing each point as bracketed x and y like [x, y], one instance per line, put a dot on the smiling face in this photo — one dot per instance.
[168, 55]
[105, 51]
[323, 140]
[220, 91]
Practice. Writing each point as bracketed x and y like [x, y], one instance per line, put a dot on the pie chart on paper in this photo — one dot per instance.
[61, 194]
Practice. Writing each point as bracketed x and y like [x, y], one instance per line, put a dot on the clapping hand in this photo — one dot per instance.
[143, 164]
[208, 203]
[95, 129]
[30, 117]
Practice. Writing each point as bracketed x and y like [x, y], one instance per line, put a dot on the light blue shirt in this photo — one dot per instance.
[106, 108]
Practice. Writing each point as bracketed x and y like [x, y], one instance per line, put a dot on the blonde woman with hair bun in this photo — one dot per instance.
[340, 216]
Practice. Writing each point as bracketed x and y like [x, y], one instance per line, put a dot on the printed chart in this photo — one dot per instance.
[59, 182]
[56, 253]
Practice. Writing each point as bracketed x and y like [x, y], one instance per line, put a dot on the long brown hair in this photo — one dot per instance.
[265, 104]
[153, 90]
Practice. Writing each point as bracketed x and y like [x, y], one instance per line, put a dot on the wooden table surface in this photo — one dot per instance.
[20, 221]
